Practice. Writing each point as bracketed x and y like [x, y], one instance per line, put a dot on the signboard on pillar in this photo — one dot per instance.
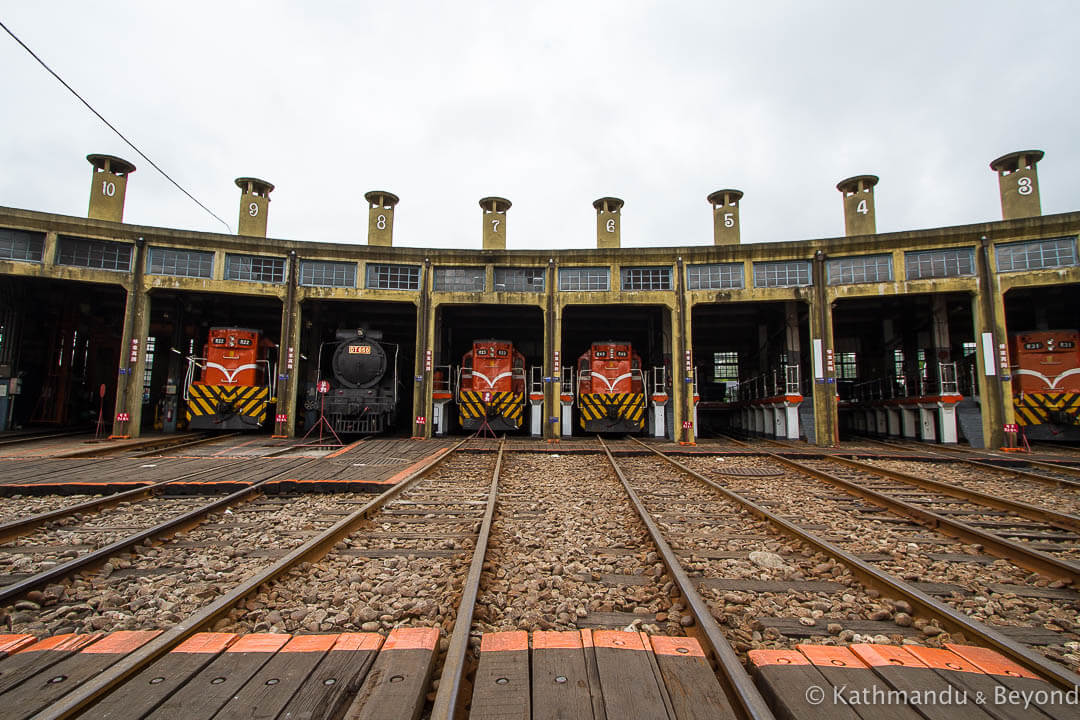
[134, 350]
[819, 364]
[427, 360]
[290, 359]
[555, 364]
[988, 353]
[830, 362]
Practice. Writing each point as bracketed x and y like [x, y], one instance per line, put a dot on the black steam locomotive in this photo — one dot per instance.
[362, 372]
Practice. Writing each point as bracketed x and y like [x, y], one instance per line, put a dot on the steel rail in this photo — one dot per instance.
[448, 694]
[737, 682]
[100, 555]
[31, 437]
[890, 585]
[17, 528]
[944, 452]
[1015, 552]
[1064, 521]
[100, 685]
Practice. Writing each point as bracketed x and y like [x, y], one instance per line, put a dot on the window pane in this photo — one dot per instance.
[793, 273]
[508, 279]
[320, 273]
[949, 262]
[584, 279]
[862, 269]
[393, 277]
[459, 279]
[181, 263]
[1036, 254]
[21, 245]
[719, 276]
[647, 278]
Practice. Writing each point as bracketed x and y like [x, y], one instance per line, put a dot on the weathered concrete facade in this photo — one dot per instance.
[986, 286]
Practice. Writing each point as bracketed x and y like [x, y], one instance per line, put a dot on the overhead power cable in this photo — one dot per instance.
[112, 127]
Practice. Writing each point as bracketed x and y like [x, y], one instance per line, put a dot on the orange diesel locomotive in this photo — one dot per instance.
[1046, 383]
[491, 386]
[231, 386]
[611, 389]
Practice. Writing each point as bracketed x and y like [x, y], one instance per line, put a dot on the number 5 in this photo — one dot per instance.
[729, 219]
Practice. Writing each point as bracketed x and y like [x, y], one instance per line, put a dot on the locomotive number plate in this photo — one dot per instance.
[359, 349]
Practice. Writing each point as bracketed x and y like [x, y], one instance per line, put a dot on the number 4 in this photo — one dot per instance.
[862, 208]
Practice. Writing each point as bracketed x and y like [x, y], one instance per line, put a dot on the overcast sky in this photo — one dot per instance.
[551, 105]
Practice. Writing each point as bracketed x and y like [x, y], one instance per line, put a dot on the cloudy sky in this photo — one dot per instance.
[551, 105]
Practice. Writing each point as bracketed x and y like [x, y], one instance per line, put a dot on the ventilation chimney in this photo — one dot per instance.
[725, 215]
[608, 218]
[495, 222]
[1019, 183]
[859, 204]
[380, 219]
[254, 203]
[108, 185]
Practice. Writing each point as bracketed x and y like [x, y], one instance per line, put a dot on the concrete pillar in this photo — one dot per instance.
[826, 421]
[992, 356]
[380, 228]
[910, 416]
[927, 428]
[422, 381]
[288, 380]
[947, 422]
[108, 187]
[1018, 183]
[254, 206]
[779, 422]
[608, 219]
[725, 207]
[893, 421]
[791, 413]
[494, 222]
[881, 421]
[132, 357]
[859, 204]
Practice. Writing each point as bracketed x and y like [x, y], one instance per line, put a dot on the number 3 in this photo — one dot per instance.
[1023, 186]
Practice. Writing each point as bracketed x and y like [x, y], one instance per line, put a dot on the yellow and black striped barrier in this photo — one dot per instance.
[226, 407]
[1060, 408]
[506, 407]
[613, 412]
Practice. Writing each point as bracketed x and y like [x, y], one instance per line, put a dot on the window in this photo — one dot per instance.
[459, 279]
[791, 273]
[646, 278]
[951, 262]
[725, 366]
[584, 278]
[718, 276]
[509, 279]
[1036, 254]
[969, 349]
[846, 367]
[898, 362]
[321, 273]
[21, 245]
[393, 277]
[252, 268]
[182, 263]
[862, 269]
[99, 254]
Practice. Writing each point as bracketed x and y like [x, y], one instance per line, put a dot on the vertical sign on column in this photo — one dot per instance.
[1003, 358]
[134, 358]
[290, 358]
[427, 360]
[819, 365]
[988, 353]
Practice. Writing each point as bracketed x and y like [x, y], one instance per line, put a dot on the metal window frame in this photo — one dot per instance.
[310, 270]
[75, 251]
[646, 277]
[1021, 254]
[459, 278]
[715, 276]
[939, 263]
[254, 268]
[520, 279]
[853, 269]
[575, 274]
[171, 257]
[396, 276]
[767, 274]
[28, 239]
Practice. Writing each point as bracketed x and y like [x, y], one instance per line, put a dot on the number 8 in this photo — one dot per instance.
[380, 222]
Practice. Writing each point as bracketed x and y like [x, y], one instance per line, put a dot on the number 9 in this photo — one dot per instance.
[253, 209]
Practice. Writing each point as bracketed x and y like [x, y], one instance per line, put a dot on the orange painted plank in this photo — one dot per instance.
[206, 642]
[831, 656]
[12, 643]
[259, 642]
[68, 641]
[679, 646]
[878, 655]
[310, 643]
[358, 641]
[556, 640]
[617, 639]
[991, 662]
[122, 642]
[412, 639]
[761, 658]
[942, 659]
[503, 641]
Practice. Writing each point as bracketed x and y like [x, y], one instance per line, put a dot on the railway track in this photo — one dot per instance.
[958, 585]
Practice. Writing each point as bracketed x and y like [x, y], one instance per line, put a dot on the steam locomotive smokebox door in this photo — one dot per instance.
[359, 364]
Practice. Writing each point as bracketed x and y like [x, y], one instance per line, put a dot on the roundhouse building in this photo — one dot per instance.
[903, 334]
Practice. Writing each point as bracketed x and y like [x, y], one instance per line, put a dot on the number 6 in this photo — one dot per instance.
[611, 225]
